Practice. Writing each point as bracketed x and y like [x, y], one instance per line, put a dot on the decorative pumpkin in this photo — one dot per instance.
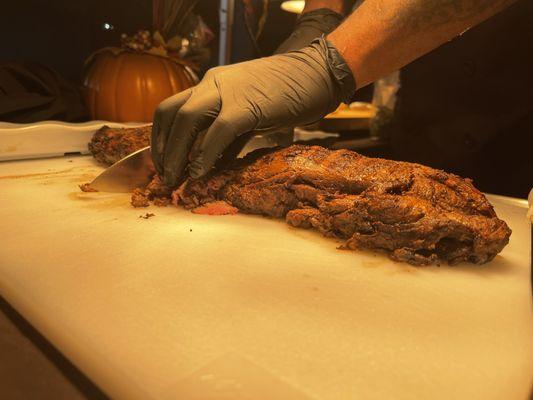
[123, 85]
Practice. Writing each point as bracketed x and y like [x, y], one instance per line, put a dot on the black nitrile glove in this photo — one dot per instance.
[291, 89]
[309, 26]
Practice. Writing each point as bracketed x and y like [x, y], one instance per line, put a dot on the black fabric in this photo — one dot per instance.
[30, 92]
[467, 107]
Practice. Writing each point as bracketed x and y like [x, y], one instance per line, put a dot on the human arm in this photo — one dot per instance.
[300, 87]
[382, 36]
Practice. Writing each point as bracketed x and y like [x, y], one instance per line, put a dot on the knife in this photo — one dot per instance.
[136, 170]
[133, 171]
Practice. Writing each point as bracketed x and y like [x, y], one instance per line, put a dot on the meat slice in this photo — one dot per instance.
[108, 145]
[86, 187]
[139, 198]
[215, 208]
[156, 192]
[414, 213]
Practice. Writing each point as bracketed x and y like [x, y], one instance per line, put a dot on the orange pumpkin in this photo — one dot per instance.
[124, 86]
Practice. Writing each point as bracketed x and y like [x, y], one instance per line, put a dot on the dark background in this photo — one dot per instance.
[63, 33]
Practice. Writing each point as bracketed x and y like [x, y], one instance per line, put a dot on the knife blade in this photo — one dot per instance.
[136, 170]
[133, 171]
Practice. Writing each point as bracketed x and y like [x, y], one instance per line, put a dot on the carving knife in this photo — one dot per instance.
[133, 171]
[136, 170]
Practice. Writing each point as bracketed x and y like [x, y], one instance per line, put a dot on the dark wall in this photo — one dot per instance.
[467, 107]
[62, 33]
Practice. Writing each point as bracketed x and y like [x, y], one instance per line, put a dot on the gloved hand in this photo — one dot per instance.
[309, 26]
[269, 93]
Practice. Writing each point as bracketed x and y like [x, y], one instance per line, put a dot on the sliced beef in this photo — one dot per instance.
[86, 187]
[155, 192]
[414, 213]
[215, 208]
[139, 198]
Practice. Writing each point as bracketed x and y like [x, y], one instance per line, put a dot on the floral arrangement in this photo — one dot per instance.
[177, 32]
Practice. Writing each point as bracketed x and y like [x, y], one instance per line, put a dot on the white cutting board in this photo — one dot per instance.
[184, 306]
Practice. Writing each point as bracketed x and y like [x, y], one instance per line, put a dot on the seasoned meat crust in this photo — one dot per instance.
[108, 145]
[414, 213]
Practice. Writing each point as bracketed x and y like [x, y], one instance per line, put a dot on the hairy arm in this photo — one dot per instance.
[384, 35]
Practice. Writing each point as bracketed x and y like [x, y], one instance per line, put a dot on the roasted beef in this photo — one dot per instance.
[108, 145]
[414, 213]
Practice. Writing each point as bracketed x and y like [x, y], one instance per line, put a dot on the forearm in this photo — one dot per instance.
[384, 35]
